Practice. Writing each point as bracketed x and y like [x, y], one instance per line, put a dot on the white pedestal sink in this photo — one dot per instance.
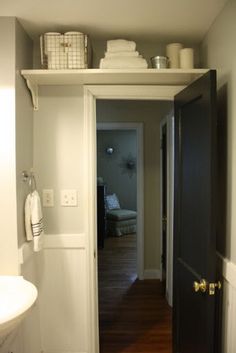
[16, 298]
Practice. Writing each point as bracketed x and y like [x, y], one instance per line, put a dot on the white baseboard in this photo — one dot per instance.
[152, 274]
[62, 352]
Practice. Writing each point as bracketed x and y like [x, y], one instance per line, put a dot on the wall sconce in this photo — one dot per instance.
[109, 150]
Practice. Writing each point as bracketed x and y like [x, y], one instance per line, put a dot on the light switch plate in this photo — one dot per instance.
[69, 198]
[48, 198]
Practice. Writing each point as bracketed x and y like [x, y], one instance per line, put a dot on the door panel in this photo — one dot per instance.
[194, 184]
[194, 215]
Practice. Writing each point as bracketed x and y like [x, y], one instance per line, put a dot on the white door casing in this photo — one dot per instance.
[91, 93]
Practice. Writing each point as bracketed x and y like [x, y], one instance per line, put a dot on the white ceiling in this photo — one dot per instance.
[152, 20]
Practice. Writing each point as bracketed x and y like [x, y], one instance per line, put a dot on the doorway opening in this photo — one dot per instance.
[120, 175]
[194, 112]
[133, 310]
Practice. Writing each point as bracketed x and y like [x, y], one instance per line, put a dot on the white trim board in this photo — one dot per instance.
[229, 306]
[64, 241]
[134, 92]
[229, 272]
[62, 352]
[52, 241]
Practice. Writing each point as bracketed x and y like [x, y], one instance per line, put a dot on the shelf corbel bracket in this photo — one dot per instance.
[34, 93]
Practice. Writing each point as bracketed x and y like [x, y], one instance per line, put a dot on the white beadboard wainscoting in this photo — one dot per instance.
[63, 293]
[30, 327]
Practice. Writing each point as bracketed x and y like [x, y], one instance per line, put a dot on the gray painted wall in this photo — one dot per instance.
[16, 146]
[219, 51]
[8, 219]
[59, 155]
[113, 168]
[24, 124]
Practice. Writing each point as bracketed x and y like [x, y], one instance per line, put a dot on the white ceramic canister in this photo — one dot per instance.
[186, 58]
[172, 52]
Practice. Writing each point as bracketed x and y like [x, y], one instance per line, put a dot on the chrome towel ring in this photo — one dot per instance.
[30, 178]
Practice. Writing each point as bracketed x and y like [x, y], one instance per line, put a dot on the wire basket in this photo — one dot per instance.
[65, 51]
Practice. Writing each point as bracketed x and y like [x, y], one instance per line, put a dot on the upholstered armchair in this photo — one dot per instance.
[119, 221]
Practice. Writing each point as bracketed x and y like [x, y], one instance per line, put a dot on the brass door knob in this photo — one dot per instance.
[200, 286]
[213, 287]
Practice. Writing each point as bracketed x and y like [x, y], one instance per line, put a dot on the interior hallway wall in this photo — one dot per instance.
[219, 52]
[60, 163]
[24, 124]
[8, 220]
[16, 156]
[30, 327]
[150, 114]
[119, 178]
[58, 155]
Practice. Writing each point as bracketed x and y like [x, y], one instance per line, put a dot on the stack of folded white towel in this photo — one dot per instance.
[122, 54]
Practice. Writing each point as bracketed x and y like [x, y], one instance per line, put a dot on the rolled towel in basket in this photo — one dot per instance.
[123, 63]
[118, 45]
[134, 54]
[57, 60]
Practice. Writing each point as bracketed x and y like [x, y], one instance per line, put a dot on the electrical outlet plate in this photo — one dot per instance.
[69, 198]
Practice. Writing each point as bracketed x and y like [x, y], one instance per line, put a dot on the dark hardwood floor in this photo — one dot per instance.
[134, 315]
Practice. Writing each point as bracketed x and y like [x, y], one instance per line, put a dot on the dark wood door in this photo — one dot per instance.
[195, 217]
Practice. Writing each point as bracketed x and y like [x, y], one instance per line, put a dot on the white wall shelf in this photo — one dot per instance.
[162, 77]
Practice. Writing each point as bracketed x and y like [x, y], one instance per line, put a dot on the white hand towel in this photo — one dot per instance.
[34, 220]
[28, 229]
[123, 63]
[120, 45]
[121, 54]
